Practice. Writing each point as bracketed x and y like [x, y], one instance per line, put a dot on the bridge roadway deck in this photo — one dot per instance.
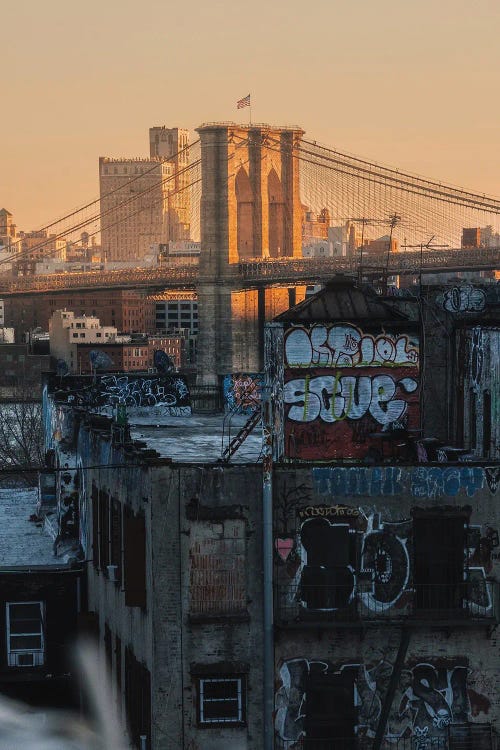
[254, 273]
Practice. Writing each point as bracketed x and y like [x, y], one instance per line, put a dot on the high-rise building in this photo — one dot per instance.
[145, 201]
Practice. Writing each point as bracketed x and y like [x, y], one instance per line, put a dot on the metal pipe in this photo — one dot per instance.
[267, 557]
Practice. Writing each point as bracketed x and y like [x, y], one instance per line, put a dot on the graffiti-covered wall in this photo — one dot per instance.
[359, 550]
[242, 392]
[143, 395]
[478, 368]
[344, 388]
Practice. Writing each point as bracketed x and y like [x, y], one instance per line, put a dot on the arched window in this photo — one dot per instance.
[276, 215]
[245, 215]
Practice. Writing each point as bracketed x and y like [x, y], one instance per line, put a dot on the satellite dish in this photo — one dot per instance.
[163, 362]
[61, 368]
[100, 360]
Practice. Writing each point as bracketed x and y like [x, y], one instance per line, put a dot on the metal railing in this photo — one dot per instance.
[300, 602]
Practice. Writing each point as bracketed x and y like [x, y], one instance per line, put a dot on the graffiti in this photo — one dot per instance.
[333, 411]
[120, 389]
[160, 392]
[335, 398]
[327, 511]
[492, 477]
[284, 547]
[476, 356]
[328, 576]
[429, 698]
[274, 378]
[422, 482]
[462, 299]
[345, 345]
[242, 392]
[385, 555]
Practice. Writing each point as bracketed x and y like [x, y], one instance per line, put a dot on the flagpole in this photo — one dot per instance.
[250, 109]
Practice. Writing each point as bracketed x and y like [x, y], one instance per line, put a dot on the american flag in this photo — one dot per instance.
[245, 102]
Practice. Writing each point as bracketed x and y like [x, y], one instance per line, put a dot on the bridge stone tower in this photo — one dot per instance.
[250, 209]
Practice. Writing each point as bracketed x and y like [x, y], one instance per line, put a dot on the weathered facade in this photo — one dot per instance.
[384, 546]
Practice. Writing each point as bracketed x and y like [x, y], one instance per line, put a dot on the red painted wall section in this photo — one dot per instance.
[349, 394]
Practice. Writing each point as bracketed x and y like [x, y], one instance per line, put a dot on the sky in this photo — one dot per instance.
[409, 83]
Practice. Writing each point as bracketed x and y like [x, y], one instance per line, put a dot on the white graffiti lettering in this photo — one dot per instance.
[335, 398]
[347, 346]
[465, 298]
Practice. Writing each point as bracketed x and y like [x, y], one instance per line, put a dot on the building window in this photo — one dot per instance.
[134, 558]
[217, 569]
[486, 423]
[25, 641]
[439, 556]
[221, 700]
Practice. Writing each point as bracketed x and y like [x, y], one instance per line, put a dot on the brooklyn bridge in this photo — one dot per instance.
[248, 186]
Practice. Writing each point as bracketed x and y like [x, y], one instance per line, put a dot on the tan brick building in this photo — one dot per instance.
[145, 201]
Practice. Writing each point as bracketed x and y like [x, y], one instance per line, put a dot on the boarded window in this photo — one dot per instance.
[116, 537]
[439, 561]
[138, 700]
[108, 646]
[217, 568]
[95, 526]
[134, 558]
[103, 530]
[330, 713]
[486, 423]
[329, 552]
[118, 673]
[472, 419]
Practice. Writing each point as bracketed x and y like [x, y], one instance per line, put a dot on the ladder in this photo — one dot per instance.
[241, 436]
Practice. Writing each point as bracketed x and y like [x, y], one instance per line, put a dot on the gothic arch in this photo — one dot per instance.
[276, 215]
[245, 214]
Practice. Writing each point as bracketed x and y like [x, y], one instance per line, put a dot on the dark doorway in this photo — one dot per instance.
[330, 712]
[439, 542]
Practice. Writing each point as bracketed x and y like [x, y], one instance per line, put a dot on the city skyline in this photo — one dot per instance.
[410, 87]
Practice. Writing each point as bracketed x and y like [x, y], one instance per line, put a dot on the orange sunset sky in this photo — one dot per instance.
[410, 83]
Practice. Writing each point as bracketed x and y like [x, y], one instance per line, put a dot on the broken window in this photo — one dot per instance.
[439, 544]
[221, 700]
[217, 568]
[25, 634]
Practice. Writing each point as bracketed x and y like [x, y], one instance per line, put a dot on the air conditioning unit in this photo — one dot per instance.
[26, 659]
[113, 573]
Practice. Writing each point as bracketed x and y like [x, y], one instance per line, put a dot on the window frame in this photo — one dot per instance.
[12, 652]
[241, 709]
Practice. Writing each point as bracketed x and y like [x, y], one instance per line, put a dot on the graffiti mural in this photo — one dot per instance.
[141, 394]
[242, 392]
[462, 299]
[422, 482]
[345, 391]
[429, 698]
[346, 562]
[345, 345]
[343, 558]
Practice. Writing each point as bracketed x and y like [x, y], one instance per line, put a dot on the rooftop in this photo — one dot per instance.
[24, 543]
[196, 439]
